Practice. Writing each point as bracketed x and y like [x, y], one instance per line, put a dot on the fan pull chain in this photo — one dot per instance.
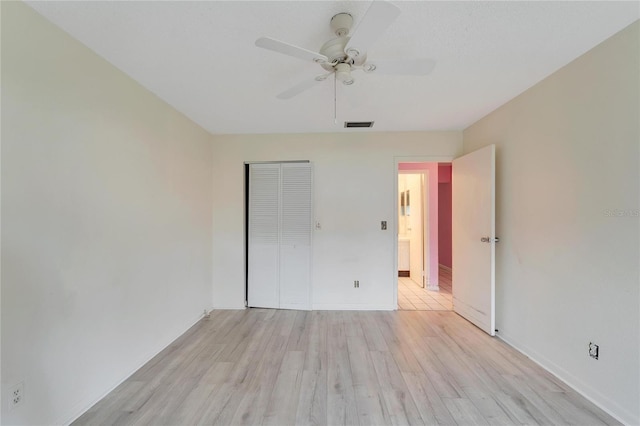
[335, 102]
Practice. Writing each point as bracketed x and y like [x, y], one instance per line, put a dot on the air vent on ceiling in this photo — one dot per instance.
[358, 124]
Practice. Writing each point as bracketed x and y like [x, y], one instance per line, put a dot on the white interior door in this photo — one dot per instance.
[473, 229]
[264, 236]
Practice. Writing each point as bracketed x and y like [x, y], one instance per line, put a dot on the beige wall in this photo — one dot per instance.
[106, 222]
[567, 264]
[355, 188]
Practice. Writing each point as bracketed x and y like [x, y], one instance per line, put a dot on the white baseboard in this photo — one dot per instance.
[352, 307]
[602, 401]
[83, 406]
[229, 308]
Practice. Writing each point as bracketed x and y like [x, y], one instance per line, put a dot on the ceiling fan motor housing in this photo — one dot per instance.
[334, 50]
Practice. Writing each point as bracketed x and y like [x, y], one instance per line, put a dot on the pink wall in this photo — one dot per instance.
[433, 214]
[444, 214]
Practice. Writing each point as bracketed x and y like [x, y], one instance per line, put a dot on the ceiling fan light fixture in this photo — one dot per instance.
[343, 73]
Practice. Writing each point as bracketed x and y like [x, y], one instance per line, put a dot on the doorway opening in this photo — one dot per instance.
[424, 236]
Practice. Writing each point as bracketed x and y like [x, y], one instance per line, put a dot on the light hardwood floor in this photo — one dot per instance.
[277, 367]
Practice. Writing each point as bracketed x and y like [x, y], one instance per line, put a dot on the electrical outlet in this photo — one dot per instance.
[383, 225]
[356, 284]
[593, 350]
[16, 396]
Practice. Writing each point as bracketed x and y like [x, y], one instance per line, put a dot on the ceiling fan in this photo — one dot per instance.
[347, 52]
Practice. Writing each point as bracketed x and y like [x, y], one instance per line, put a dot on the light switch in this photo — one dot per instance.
[383, 225]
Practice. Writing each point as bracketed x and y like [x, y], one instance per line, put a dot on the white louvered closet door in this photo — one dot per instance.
[280, 216]
[264, 238]
[295, 236]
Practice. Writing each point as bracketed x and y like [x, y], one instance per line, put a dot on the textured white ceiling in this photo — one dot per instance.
[200, 57]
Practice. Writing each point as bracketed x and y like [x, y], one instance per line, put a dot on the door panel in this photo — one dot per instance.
[473, 218]
[264, 255]
[295, 245]
[263, 276]
[295, 264]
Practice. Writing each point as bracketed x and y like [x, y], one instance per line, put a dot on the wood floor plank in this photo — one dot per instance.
[372, 333]
[569, 410]
[399, 402]
[341, 402]
[434, 368]
[284, 402]
[194, 406]
[464, 412]
[370, 402]
[521, 410]
[299, 337]
[531, 398]
[312, 403]
[250, 398]
[399, 340]
[218, 401]
[277, 367]
[432, 408]
[485, 402]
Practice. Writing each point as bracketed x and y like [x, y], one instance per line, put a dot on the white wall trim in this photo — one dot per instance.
[230, 308]
[84, 405]
[352, 307]
[600, 400]
[423, 159]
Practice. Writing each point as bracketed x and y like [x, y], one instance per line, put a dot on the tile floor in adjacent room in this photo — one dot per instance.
[412, 297]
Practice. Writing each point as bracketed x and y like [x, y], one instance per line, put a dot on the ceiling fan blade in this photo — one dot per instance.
[303, 86]
[290, 50]
[374, 23]
[409, 67]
